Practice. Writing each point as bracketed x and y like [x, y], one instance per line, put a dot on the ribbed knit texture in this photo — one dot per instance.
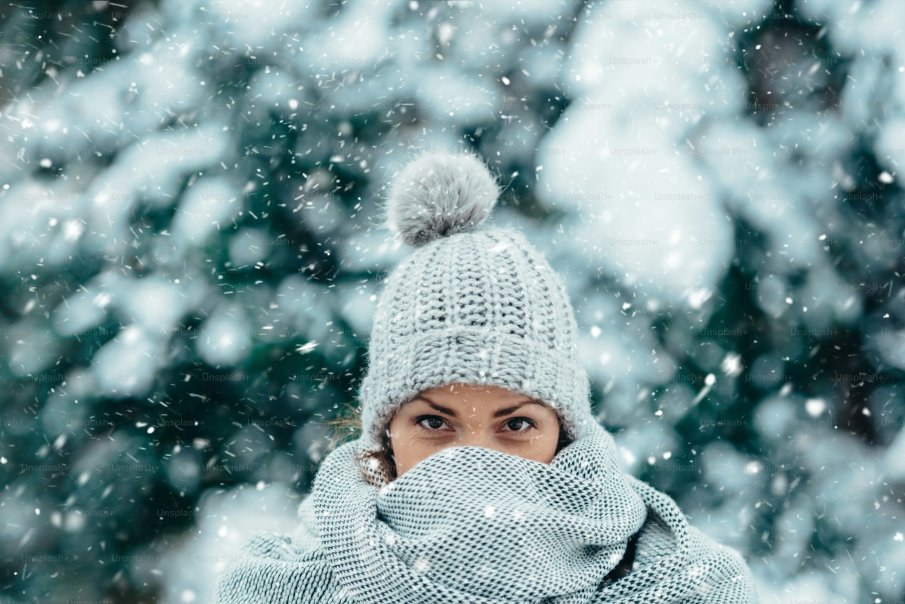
[479, 308]
[470, 525]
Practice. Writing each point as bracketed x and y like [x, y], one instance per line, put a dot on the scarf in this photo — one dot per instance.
[478, 526]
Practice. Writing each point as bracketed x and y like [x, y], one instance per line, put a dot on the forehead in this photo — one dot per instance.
[458, 392]
[474, 398]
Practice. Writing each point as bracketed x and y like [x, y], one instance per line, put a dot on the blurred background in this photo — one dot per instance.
[190, 253]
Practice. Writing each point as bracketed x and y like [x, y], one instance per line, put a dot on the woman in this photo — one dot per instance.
[481, 475]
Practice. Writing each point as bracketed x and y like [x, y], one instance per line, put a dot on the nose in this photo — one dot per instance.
[476, 438]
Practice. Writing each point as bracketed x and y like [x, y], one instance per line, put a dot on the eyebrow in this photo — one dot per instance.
[497, 413]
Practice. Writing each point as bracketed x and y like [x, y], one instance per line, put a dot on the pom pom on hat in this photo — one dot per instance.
[440, 194]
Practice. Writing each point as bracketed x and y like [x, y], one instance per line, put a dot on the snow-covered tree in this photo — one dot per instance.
[190, 254]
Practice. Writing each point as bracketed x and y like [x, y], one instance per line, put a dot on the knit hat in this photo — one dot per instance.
[472, 304]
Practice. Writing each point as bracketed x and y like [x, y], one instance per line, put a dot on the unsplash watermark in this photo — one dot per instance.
[678, 15]
[582, 196]
[272, 423]
[678, 196]
[591, 105]
[688, 378]
[672, 466]
[176, 513]
[139, 557]
[223, 377]
[95, 513]
[90, 422]
[885, 421]
[765, 378]
[737, 242]
[723, 332]
[631, 241]
[178, 423]
[858, 377]
[43, 467]
[99, 331]
[32, 14]
[869, 288]
[629, 151]
[229, 468]
[45, 288]
[269, 151]
[50, 377]
[606, 151]
[626, 61]
[723, 423]
[316, 378]
[34, 558]
[133, 468]
[867, 196]
[180, 151]
[814, 332]
[720, 151]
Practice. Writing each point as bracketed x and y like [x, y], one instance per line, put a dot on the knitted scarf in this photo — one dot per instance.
[477, 526]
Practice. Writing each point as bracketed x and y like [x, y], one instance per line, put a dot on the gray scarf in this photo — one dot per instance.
[477, 526]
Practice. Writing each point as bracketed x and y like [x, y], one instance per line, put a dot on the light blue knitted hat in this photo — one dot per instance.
[472, 304]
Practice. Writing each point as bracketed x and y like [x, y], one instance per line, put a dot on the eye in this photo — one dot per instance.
[523, 421]
[432, 419]
[435, 423]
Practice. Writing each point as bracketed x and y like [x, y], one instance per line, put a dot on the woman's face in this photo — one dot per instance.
[476, 415]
